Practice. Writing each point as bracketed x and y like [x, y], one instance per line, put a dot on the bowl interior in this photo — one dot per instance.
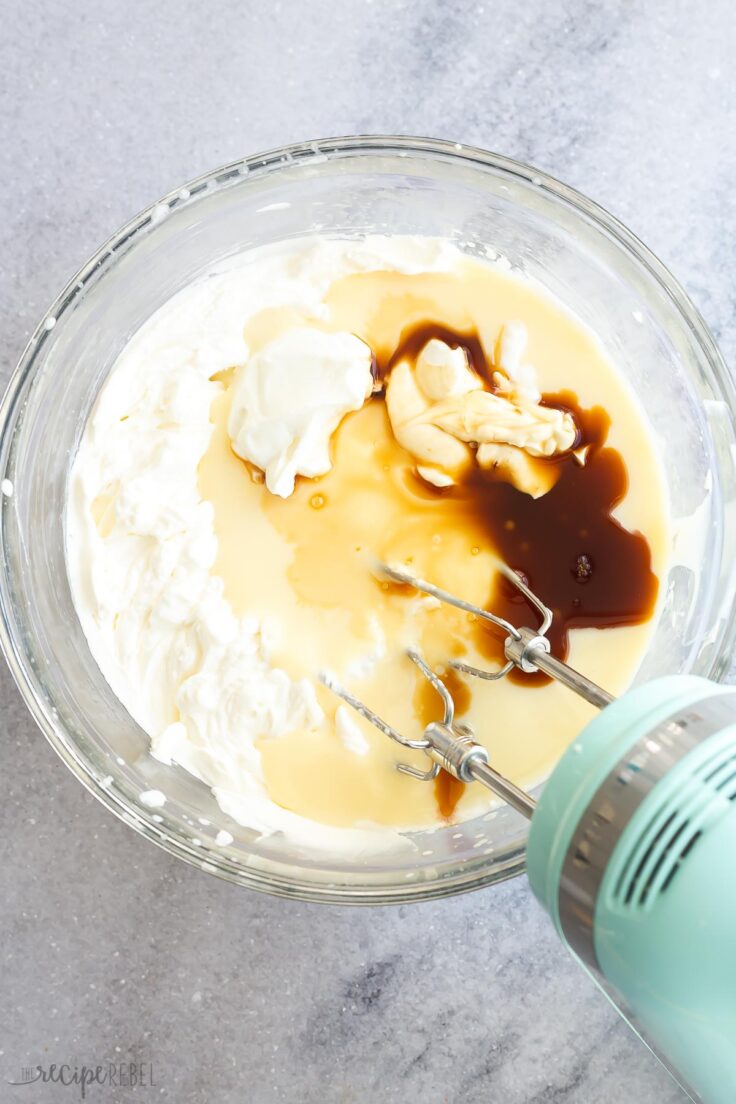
[485, 205]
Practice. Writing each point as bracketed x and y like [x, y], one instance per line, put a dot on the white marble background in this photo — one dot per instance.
[112, 950]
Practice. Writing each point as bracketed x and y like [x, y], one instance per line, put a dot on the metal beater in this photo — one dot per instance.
[451, 745]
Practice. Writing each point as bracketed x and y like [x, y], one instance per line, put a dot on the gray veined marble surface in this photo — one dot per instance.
[113, 951]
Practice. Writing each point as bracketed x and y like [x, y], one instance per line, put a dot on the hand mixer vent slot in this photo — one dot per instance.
[681, 818]
[724, 778]
[680, 859]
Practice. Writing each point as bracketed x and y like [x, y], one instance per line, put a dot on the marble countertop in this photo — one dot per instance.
[111, 950]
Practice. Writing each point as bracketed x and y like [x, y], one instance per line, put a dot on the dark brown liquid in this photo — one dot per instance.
[589, 569]
[414, 339]
[448, 790]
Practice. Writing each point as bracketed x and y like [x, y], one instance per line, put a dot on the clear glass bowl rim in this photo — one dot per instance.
[260, 165]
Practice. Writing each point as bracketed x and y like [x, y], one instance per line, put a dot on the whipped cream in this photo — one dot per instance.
[290, 397]
[141, 543]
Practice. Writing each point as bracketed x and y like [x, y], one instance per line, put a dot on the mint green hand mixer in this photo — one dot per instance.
[632, 845]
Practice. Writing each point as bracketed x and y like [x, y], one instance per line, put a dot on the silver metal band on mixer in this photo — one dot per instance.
[628, 784]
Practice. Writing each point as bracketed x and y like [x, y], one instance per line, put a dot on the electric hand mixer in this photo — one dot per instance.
[632, 845]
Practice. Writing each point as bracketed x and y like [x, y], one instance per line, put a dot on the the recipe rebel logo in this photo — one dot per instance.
[124, 1075]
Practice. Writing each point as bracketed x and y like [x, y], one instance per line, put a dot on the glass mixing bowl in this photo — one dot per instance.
[347, 187]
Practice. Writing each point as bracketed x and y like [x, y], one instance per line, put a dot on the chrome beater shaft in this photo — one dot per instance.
[451, 746]
[525, 648]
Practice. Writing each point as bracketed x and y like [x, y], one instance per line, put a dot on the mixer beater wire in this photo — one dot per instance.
[451, 745]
